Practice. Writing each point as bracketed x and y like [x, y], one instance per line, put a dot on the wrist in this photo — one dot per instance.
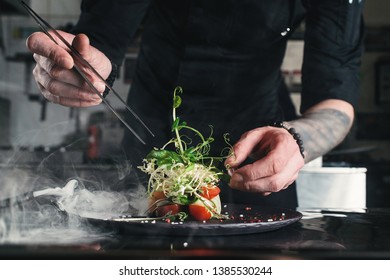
[294, 134]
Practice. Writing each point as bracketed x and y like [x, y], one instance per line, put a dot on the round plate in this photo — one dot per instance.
[244, 219]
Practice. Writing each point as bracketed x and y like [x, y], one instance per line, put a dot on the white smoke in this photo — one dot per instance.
[98, 205]
[59, 214]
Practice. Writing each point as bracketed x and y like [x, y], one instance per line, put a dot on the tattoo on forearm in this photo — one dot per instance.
[321, 131]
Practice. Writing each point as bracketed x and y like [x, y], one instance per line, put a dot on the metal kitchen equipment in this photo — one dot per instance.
[47, 28]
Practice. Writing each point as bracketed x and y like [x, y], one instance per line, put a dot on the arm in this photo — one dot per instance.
[330, 70]
[330, 91]
[324, 126]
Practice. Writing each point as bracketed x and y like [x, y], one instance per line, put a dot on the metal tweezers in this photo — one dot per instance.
[46, 27]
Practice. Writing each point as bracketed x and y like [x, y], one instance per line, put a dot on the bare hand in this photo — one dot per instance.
[278, 161]
[54, 75]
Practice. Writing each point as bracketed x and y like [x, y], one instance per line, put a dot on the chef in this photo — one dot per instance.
[226, 55]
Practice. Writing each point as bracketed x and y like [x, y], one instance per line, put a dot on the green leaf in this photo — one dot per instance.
[157, 154]
[164, 157]
[181, 125]
[181, 199]
[176, 101]
[191, 155]
[184, 199]
[176, 98]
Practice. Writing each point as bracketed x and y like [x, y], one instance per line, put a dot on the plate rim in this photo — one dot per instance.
[200, 228]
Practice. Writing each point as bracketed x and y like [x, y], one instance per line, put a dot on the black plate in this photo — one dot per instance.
[244, 220]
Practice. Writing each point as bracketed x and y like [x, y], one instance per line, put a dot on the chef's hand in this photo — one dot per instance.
[278, 161]
[321, 127]
[54, 75]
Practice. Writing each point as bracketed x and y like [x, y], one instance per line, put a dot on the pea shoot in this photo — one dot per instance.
[182, 171]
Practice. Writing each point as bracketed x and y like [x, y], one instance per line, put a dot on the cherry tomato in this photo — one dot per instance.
[199, 212]
[170, 209]
[210, 192]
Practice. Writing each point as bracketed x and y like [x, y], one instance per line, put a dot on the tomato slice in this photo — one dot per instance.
[210, 192]
[170, 209]
[199, 212]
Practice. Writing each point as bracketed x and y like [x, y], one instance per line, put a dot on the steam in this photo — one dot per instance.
[58, 213]
[98, 205]
[66, 191]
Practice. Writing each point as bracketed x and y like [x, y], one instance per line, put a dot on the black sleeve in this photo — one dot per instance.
[111, 24]
[332, 52]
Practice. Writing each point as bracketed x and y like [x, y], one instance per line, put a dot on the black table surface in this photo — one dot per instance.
[325, 235]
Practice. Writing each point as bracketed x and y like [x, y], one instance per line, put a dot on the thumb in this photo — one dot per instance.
[81, 44]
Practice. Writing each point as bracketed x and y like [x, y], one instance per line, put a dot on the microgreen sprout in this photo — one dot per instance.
[182, 166]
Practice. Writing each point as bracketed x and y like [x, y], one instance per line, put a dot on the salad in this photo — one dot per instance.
[183, 177]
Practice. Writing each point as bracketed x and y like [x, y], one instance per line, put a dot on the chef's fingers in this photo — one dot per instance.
[41, 44]
[82, 45]
[282, 153]
[48, 96]
[56, 71]
[262, 142]
[65, 75]
[68, 102]
[53, 87]
[273, 183]
[244, 147]
[273, 150]
[94, 57]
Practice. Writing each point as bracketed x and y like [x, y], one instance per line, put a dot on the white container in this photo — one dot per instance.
[333, 188]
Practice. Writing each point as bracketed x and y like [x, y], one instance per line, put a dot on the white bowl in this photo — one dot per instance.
[332, 188]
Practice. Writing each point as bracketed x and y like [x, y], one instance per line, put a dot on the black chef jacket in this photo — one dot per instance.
[226, 55]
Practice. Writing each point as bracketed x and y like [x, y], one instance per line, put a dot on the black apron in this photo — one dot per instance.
[219, 53]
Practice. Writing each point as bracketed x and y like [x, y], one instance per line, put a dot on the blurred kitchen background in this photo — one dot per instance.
[33, 132]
